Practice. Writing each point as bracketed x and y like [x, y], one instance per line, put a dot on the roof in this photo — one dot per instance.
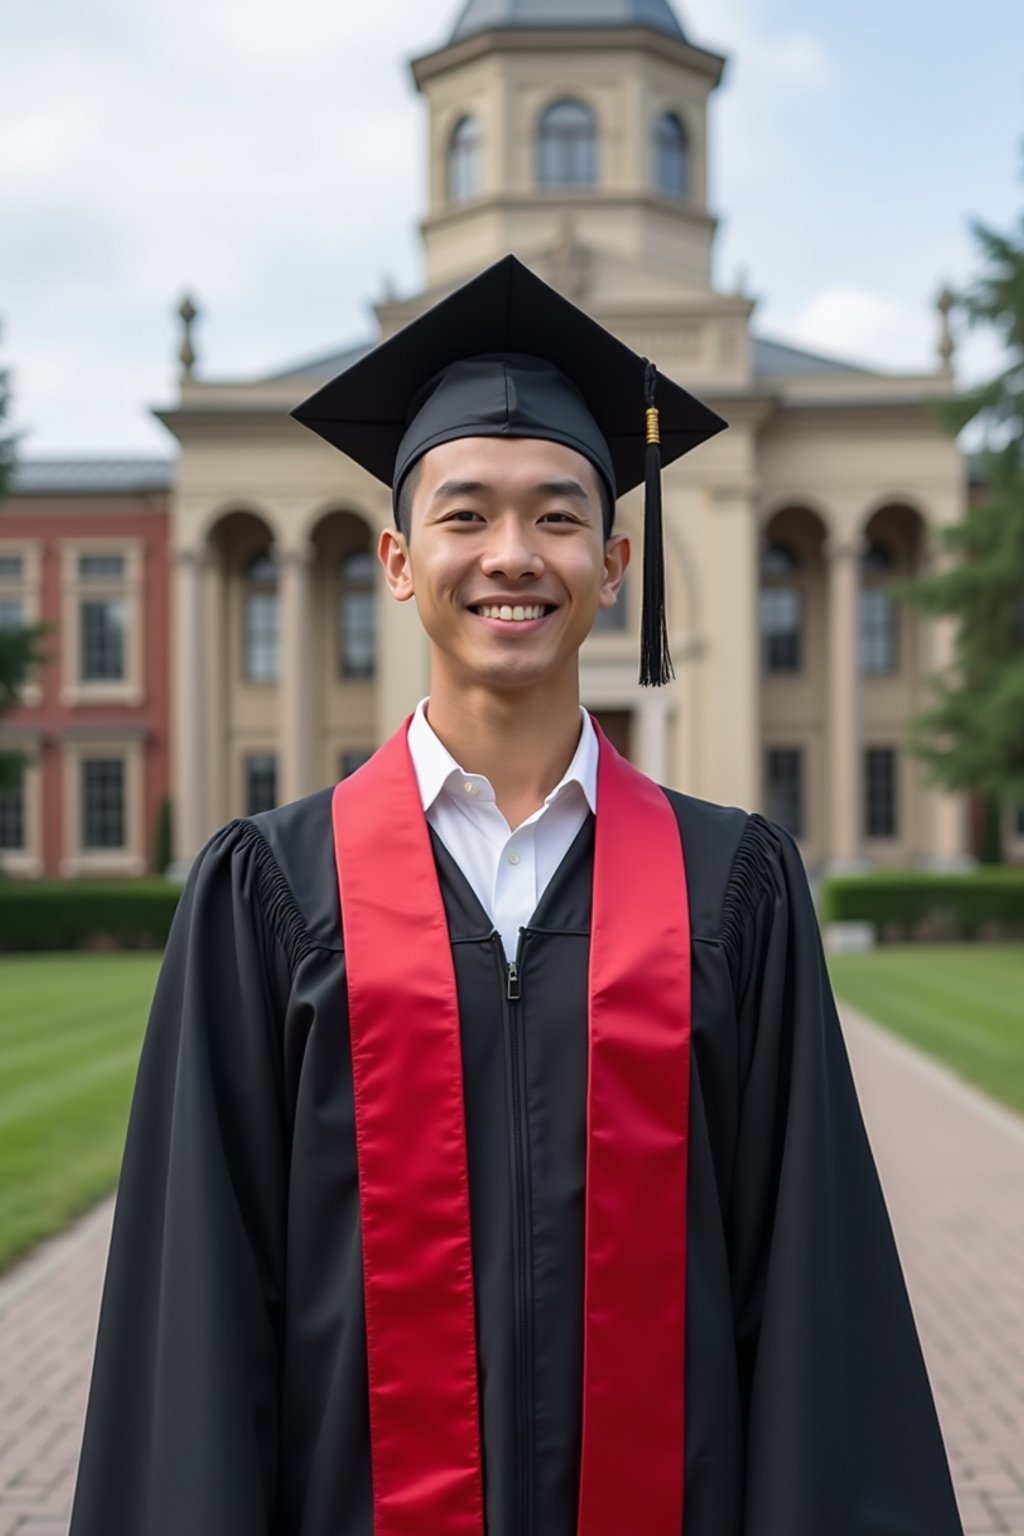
[324, 367]
[483, 15]
[772, 357]
[90, 477]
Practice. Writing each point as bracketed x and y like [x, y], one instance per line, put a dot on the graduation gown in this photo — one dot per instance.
[230, 1391]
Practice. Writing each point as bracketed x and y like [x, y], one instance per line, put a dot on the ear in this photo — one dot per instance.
[393, 554]
[616, 559]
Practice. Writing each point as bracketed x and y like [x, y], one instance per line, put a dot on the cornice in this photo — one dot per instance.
[576, 197]
[852, 410]
[568, 40]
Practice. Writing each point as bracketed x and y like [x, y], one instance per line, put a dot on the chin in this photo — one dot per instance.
[509, 672]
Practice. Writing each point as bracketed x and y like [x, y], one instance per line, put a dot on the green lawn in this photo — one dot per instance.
[71, 1028]
[963, 1003]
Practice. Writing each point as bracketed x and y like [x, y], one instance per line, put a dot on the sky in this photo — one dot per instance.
[269, 158]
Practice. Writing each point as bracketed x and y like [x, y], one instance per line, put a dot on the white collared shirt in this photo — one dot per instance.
[508, 870]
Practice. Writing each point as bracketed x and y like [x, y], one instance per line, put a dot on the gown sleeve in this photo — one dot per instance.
[842, 1434]
[182, 1425]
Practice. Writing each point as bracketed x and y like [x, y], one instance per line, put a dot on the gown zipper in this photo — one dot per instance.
[512, 976]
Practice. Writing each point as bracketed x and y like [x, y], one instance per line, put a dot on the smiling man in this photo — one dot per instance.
[495, 1164]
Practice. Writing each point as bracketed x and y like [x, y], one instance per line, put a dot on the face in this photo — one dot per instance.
[506, 559]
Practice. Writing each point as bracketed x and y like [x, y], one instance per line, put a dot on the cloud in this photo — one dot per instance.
[864, 327]
[269, 157]
[882, 331]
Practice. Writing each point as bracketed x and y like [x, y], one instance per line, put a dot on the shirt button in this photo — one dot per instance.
[513, 858]
[471, 789]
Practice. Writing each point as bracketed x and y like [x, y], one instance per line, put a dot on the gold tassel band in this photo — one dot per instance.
[653, 425]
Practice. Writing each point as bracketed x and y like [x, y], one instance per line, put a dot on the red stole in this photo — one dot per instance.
[413, 1182]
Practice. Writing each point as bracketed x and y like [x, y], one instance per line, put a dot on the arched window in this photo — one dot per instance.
[781, 606]
[465, 156]
[261, 641]
[779, 559]
[567, 146]
[671, 156]
[357, 614]
[878, 616]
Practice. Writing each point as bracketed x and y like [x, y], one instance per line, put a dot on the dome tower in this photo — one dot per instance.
[575, 129]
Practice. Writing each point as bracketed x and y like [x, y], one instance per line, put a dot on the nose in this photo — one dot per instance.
[511, 551]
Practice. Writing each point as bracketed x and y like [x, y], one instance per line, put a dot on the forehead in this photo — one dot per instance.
[518, 464]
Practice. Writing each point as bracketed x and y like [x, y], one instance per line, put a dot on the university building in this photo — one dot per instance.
[574, 133]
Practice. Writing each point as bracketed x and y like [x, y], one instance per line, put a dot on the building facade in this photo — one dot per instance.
[83, 550]
[575, 133]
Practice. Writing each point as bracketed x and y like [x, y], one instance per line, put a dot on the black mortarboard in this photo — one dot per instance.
[505, 355]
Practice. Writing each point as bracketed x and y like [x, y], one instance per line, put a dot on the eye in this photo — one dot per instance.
[463, 515]
[562, 517]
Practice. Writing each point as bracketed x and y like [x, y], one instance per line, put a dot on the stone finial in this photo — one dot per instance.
[944, 303]
[569, 262]
[188, 314]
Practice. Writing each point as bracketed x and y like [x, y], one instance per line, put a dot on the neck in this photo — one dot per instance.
[522, 743]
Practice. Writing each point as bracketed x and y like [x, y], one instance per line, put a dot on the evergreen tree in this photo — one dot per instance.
[20, 648]
[971, 737]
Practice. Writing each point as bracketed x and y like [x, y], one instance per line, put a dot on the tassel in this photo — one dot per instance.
[655, 662]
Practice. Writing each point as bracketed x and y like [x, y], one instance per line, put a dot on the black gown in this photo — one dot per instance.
[229, 1392]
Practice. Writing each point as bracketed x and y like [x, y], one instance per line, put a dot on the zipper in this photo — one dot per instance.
[512, 973]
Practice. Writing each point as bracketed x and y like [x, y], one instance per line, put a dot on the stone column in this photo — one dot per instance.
[220, 804]
[403, 661]
[844, 738]
[735, 659]
[189, 664]
[295, 563]
[651, 754]
[945, 817]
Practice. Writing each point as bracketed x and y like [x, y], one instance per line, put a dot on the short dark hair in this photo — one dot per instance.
[407, 490]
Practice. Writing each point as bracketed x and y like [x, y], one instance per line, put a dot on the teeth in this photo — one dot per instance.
[515, 615]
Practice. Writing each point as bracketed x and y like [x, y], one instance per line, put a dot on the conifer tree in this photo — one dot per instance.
[971, 736]
[20, 648]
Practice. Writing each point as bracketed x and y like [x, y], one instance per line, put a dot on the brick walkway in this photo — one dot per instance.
[952, 1167]
[953, 1171]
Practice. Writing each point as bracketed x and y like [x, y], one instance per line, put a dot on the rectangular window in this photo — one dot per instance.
[781, 622]
[12, 613]
[12, 568]
[357, 630]
[260, 783]
[103, 802]
[877, 630]
[102, 651]
[880, 792]
[101, 567]
[784, 787]
[12, 818]
[262, 637]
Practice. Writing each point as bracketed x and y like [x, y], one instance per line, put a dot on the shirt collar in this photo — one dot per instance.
[434, 765]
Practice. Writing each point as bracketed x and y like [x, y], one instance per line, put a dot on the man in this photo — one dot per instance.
[495, 1163]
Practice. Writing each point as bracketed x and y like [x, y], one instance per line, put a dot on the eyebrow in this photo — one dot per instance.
[448, 490]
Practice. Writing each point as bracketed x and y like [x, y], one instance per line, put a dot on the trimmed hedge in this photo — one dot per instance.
[985, 904]
[86, 914]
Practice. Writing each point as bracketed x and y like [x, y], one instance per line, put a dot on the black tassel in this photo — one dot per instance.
[655, 662]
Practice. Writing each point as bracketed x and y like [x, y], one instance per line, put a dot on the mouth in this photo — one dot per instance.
[512, 613]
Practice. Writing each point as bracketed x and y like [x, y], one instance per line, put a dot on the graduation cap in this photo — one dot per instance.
[506, 355]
